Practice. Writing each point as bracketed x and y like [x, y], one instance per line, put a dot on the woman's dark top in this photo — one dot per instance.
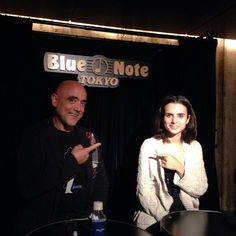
[173, 191]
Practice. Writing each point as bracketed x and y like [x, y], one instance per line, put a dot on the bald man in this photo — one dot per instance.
[60, 168]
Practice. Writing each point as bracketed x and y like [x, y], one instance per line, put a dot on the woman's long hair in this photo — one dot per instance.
[190, 132]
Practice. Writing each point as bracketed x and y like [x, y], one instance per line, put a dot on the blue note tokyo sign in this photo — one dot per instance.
[95, 71]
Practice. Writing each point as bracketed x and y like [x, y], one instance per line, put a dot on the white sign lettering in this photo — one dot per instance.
[96, 71]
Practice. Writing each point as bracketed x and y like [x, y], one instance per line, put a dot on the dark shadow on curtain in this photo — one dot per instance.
[15, 34]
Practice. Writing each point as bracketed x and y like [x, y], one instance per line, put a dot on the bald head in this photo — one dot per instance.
[69, 84]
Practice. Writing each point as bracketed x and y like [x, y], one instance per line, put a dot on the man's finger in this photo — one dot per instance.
[93, 147]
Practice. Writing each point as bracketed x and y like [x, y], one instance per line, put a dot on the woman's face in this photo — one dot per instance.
[175, 118]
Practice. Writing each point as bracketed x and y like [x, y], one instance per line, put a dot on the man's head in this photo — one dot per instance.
[69, 102]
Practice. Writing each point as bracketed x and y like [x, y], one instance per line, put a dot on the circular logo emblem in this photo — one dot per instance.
[100, 66]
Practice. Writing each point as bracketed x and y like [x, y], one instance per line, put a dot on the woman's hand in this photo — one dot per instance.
[170, 162]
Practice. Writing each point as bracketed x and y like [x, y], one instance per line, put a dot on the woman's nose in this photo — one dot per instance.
[174, 119]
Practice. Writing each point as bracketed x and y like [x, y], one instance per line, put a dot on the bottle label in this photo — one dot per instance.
[98, 228]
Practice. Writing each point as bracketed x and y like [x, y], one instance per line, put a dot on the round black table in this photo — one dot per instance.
[198, 223]
[81, 227]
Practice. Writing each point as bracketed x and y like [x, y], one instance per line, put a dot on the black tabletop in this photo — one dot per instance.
[197, 223]
[81, 227]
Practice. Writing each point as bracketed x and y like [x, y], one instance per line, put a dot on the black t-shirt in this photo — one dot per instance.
[74, 198]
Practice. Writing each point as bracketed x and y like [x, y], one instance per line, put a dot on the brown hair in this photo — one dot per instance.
[190, 132]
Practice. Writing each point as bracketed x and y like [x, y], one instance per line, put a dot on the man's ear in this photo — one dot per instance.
[54, 99]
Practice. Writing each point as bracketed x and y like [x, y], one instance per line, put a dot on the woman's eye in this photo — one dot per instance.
[181, 115]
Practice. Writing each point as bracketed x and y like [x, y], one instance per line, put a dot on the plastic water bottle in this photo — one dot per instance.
[98, 219]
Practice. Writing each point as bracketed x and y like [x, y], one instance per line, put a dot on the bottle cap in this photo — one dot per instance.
[98, 205]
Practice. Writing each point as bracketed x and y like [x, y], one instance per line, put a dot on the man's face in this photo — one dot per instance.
[69, 103]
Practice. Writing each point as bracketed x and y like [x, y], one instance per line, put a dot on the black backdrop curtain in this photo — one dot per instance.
[121, 117]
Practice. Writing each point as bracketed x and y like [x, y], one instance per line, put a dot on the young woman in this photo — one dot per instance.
[171, 172]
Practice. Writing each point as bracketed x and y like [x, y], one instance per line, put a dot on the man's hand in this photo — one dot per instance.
[81, 154]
